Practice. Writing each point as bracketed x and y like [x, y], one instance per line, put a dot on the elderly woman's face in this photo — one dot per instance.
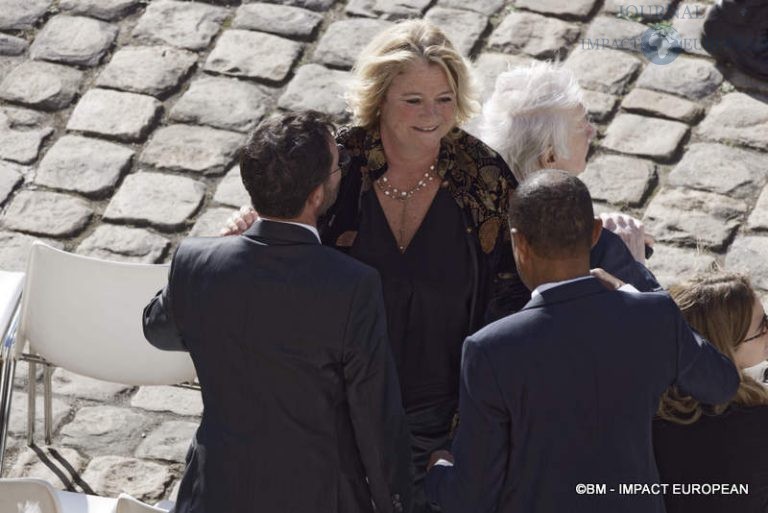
[582, 133]
[419, 107]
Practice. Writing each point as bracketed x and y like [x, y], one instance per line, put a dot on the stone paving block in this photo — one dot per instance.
[242, 53]
[387, 9]
[567, 8]
[643, 101]
[64, 460]
[758, 220]
[620, 180]
[105, 430]
[733, 172]
[124, 244]
[47, 213]
[12, 45]
[222, 103]
[84, 165]
[7, 63]
[344, 40]
[42, 85]
[313, 5]
[463, 27]
[639, 9]
[14, 252]
[113, 475]
[192, 148]
[747, 255]
[694, 218]
[181, 401]
[170, 441]
[282, 20]
[102, 9]
[231, 191]
[22, 14]
[533, 34]
[599, 105]
[689, 23]
[190, 25]
[18, 419]
[644, 136]
[22, 146]
[685, 76]
[19, 117]
[210, 223]
[613, 33]
[55, 42]
[160, 200]
[124, 116]
[11, 175]
[317, 87]
[487, 7]
[489, 66]
[606, 71]
[673, 265]
[71, 384]
[739, 119]
[154, 70]
[744, 82]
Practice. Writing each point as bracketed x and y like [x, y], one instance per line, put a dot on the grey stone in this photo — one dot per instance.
[619, 180]
[113, 475]
[613, 33]
[12, 45]
[14, 252]
[487, 7]
[169, 442]
[192, 148]
[29, 464]
[124, 116]
[685, 76]
[738, 119]
[211, 222]
[463, 27]
[22, 146]
[661, 105]
[747, 255]
[317, 87]
[643, 136]
[83, 164]
[277, 19]
[489, 66]
[733, 172]
[568, 8]
[154, 70]
[22, 14]
[47, 213]
[533, 34]
[189, 25]
[599, 105]
[639, 9]
[605, 70]
[17, 117]
[694, 218]
[105, 430]
[313, 5]
[7, 64]
[343, 41]
[689, 23]
[242, 53]
[18, 418]
[83, 387]
[231, 191]
[387, 9]
[10, 177]
[55, 42]
[125, 244]
[181, 401]
[744, 82]
[160, 200]
[222, 103]
[673, 265]
[758, 220]
[42, 85]
[102, 9]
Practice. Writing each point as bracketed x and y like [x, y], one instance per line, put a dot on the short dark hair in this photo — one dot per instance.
[553, 210]
[286, 157]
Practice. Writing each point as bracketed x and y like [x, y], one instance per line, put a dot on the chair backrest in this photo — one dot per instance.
[84, 314]
[28, 496]
[11, 284]
[127, 504]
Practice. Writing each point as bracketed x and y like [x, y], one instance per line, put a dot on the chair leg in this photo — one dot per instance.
[31, 401]
[47, 403]
[6, 394]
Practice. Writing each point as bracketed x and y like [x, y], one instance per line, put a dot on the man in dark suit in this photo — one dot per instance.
[302, 407]
[560, 395]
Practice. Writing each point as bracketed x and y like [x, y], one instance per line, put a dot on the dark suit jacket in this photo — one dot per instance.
[300, 393]
[562, 393]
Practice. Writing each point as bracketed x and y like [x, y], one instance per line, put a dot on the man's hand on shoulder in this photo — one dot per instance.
[240, 221]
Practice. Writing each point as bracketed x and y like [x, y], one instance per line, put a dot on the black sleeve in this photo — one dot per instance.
[158, 320]
[612, 255]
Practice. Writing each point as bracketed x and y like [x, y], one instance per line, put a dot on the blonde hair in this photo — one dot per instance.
[391, 52]
[719, 306]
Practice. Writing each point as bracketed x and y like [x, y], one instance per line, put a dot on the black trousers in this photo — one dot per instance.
[430, 431]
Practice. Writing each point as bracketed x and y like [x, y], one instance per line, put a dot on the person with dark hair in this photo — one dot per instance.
[736, 31]
[302, 406]
[562, 393]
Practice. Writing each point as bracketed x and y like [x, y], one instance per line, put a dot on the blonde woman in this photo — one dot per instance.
[697, 444]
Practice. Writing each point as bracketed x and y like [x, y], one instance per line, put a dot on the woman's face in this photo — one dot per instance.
[419, 108]
[582, 133]
[755, 347]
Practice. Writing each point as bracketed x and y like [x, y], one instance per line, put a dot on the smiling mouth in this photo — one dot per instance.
[426, 130]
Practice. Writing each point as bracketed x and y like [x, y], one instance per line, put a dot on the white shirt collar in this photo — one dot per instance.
[307, 226]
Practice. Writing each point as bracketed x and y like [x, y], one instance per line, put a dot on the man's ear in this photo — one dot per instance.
[316, 198]
[520, 246]
[597, 228]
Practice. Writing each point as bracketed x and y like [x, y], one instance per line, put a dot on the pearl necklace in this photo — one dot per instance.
[402, 195]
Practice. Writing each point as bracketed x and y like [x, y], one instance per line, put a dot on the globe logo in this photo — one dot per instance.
[661, 45]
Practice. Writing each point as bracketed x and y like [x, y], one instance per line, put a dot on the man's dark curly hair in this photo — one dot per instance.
[287, 156]
[553, 210]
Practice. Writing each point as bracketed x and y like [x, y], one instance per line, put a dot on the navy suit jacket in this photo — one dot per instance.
[562, 393]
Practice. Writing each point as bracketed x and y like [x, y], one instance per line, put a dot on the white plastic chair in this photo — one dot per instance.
[10, 291]
[127, 504]
[84, 314]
